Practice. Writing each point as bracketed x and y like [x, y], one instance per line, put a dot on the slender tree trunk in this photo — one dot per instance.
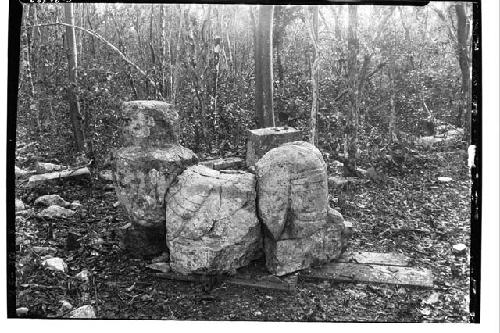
[175, 74]
[313, 32]
[351, 130]
[74, 105]
[163, 51]
[216, 117]
[259, 116]
[29, 68]
[392, 117]
[463, 60]
[264, 68]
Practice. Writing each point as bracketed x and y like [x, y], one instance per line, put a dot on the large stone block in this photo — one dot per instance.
[261, 140]
[211, 222]
[293, 254]
[149, 124]
[142, 177]
[299, 229]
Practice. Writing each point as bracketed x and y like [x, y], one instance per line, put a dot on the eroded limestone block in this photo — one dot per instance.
[211, 222]
[261, 140]
[142, 177]
[293, 206]
[149, 124]
[293, 254]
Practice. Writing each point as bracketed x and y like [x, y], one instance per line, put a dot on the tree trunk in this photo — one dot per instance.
[351, 129]
[392, 117]
[175, 73]
[163, 51]
[264, 68]
[313, 32]
[463, 60]
[74, 105]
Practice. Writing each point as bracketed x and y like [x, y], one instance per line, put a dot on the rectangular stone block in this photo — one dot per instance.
[261, 140]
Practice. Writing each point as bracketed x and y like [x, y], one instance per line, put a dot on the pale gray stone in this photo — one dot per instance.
[42, 167]
[83, 275]
[106, 175]
[163, 267]
[211, 224]
[261, 140]
[65, 305]
[19, 205]
[459, 248]
[75, 204]
[55, 264]
[22, 311]
[20, 172]
[42, 250]
[55, 211]
[83, 312]
[51, 199]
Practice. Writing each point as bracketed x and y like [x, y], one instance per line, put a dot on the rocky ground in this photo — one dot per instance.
[411, 212]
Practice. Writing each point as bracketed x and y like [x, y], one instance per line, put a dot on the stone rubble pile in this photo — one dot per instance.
[207, 220]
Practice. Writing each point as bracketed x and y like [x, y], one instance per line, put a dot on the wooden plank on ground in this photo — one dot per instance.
[375, 258]
[349, 272]
[264, 281]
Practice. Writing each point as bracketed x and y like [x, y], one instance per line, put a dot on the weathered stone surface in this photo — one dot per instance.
[21, 173]
[56, 211]
[42, 167]
[19, 205]
[293, 188]
[75, 204]
[149, 124]
[51, 199]
[55, 264]
[224, 163]
[106, 176]
[290, 255]
[43, 249]
[143, 176]
[83, 312]
[261, 140]
[299, 227]
[83, 275]
[211, 224]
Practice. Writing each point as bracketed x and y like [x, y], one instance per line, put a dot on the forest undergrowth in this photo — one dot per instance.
[409, 212]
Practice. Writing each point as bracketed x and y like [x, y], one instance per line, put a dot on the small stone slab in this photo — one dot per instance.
[262, 140]
[37, 179]
[375, 258]
[224, 163]
[349, 272]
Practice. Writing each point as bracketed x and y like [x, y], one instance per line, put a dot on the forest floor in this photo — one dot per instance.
[410, 213]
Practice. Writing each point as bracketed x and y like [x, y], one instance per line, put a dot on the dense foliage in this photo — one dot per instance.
[176, 46]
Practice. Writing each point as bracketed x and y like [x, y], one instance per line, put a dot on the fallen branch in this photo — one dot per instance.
[58, 175]
[114, 48]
